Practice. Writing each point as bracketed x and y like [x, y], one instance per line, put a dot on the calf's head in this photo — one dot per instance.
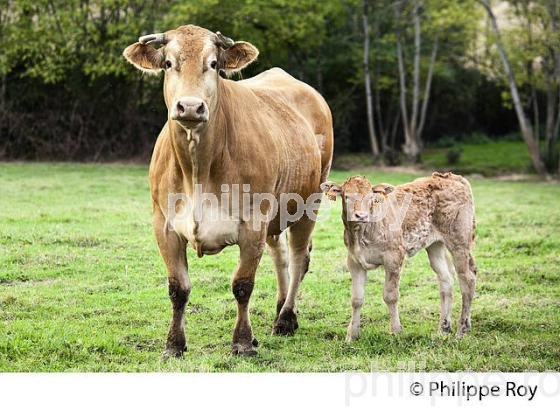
[191, 58]
[359, 197]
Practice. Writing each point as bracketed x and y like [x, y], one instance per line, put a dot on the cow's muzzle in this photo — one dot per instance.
[190, 111]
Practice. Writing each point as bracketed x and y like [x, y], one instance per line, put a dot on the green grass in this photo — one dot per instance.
[83, 288]
[492, 158]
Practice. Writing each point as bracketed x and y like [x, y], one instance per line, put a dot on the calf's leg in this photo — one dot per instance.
[467, 280]
[251, 246]
[437, 254]
[278, 250]
[173, 251]
[359, 276]
[299, 246]
[393, 266]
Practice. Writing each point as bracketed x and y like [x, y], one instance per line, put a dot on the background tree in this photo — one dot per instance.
[66, 92]
[528, 18]
[367, 83]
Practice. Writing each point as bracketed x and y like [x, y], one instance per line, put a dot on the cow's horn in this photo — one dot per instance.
[158, 38]
[223, 41]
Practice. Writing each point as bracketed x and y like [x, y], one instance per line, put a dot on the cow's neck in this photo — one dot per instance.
[203, 154]
[197, 153]
[186, 147]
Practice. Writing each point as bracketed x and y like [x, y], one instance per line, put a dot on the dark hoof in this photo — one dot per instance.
[445, 327]
[286, 324]
[279, 306]
[255, 342]
[239, 349]
[463, 328]
[173, 352]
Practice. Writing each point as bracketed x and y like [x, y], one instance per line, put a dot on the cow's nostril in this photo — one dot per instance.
[201, 109]
[180, 108]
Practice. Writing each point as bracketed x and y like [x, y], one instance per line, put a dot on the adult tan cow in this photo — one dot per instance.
[271, 134]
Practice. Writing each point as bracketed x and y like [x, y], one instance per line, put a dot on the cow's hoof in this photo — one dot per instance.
[396, 329]
[286, 324]
[173, 352]
[240, 349]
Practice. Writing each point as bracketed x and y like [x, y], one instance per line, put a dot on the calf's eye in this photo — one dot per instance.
[213, 64]
[168, 64]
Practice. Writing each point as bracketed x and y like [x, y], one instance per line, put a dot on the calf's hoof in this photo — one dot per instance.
[352, 335]
[445, 327]
[242, 349]
[396, 329]
[286, 324]
[175, 352]
[463, 328]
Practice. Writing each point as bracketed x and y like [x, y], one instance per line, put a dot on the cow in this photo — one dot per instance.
[383, 224]
[270, 134]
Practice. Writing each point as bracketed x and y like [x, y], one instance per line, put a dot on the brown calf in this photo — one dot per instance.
[383, 223]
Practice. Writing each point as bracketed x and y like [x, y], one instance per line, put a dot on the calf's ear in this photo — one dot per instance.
[144, 57]
[383, 189]
[238, 56]
[331, 190]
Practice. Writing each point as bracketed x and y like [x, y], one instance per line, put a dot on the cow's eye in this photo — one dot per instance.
[213, 64]
[168, 64]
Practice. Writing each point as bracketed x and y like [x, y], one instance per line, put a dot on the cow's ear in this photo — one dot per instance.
[383, 189]
[238, 56]
[331, 190]
[144, 57]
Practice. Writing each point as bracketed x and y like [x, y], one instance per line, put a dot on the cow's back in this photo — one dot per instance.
[275, 84]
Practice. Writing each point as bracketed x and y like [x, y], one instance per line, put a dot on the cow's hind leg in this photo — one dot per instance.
[173, 251]
[439, 261]
[251, 247]
[299, 241]
[278, 250]
[467, 279]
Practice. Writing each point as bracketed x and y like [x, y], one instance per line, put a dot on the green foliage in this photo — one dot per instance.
[67, 93]
[532, 41]
[52, 39]
[83, 287]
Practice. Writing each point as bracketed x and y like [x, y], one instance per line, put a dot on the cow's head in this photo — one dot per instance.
[191, 58]
[359, 197]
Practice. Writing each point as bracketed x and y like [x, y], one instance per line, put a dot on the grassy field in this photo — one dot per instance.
[83, 288]
[491, 158]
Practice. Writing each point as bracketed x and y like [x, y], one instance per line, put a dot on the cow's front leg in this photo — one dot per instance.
[173, 251]
[359, 275]
[393, 265]
[251, 246]
[299, 242]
